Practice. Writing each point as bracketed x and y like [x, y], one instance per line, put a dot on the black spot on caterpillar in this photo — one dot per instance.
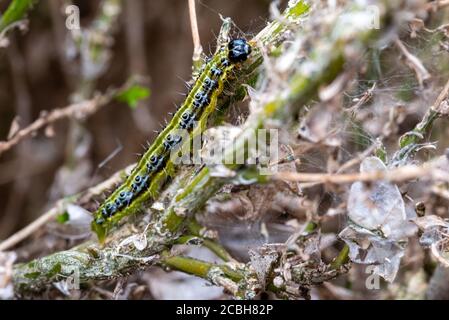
[155, 166]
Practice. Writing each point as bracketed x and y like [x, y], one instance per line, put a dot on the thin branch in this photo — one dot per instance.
[80, 110]
[60, 208]
[366, 96]
[405, 173]
[197, 48]
[217, 274]
[441, 104]
[198, 232]
[414, 63]
[28, 230]
[360, 157]
[341, 259]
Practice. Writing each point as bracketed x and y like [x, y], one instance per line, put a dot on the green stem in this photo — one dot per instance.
[421, 129]
[408, 142]
[199, 268]
[195, 228]
[341, 259]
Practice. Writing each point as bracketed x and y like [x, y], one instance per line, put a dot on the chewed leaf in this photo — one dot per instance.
[133, 95]
[435, 235]
[378, 207]
[262, 261]
[378, 223]
[370, 249]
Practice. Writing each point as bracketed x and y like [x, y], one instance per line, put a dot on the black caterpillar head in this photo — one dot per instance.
[239, 50]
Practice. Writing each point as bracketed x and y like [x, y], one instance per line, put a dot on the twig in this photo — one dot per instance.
[441, 106]
[28, 230]
[360, 157]
[366, 96]
[197, 48]
[13, 212]
[401, 174]
[212, 245]
[437, 254]
[60, 208]
[441, 191]
[414, 63]
[104, 292]
[341, 259]
[217, 274]
[80, 110]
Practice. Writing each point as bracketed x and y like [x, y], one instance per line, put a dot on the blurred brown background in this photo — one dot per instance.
[152, 38]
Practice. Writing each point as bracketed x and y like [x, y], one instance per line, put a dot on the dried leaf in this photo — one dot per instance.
[262, 261]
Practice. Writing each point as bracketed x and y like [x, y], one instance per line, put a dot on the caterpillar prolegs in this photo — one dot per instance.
[155, 166]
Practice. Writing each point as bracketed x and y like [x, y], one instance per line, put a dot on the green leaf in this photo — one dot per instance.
[55, 270]
[299, 9]
[15, 12]
[133, 95]
[63, 218]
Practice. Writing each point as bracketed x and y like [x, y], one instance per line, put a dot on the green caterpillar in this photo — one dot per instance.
[155, 166]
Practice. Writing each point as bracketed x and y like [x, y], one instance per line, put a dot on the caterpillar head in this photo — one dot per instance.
[239, 50]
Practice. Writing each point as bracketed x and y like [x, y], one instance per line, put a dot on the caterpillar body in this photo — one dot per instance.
[147, 178]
